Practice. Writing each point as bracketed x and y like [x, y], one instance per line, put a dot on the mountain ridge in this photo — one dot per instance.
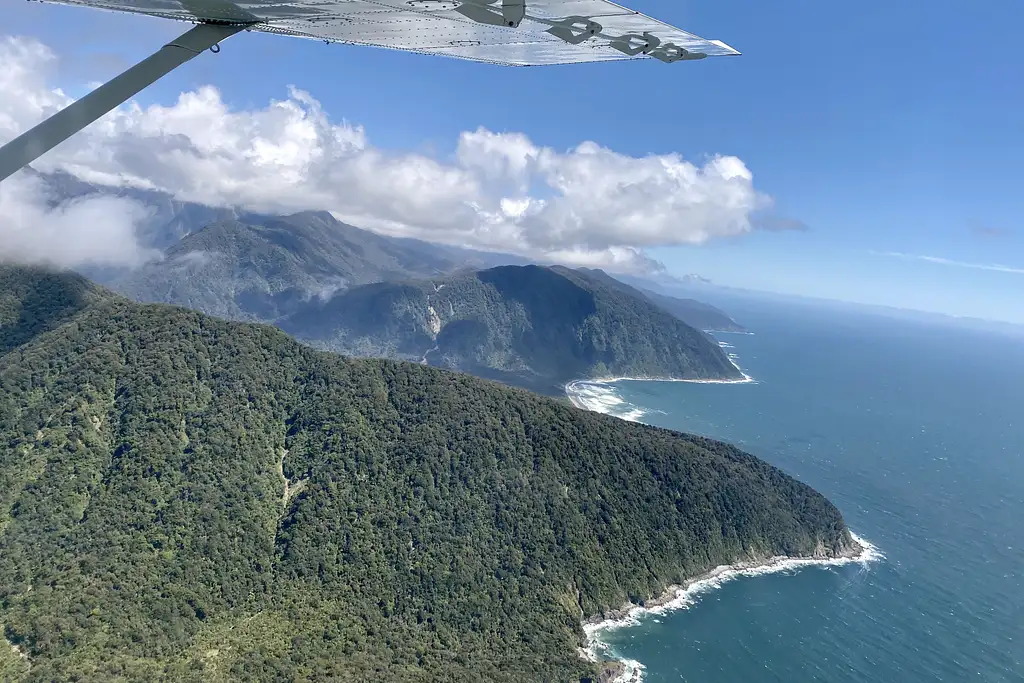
[252, 270]
[694, 313]
[285, 270]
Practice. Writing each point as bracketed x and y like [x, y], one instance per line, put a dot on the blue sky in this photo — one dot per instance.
[895, 130]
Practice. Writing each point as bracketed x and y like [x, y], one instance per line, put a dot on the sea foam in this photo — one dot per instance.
[599, 394]
[600, 397]
[686, 595]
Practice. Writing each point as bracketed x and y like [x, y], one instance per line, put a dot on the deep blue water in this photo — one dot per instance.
[916, 432]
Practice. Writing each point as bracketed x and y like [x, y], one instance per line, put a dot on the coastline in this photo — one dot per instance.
[682, 596]
[597, 396]
[572, 388]
[746, 379]
[576, 392]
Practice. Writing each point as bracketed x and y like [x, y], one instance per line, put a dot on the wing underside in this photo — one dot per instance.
[510, 32]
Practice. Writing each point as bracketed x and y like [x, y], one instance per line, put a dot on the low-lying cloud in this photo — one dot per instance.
[95, 230]
[586, 205]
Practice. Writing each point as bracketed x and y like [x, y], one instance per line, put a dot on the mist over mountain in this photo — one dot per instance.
[260, 269]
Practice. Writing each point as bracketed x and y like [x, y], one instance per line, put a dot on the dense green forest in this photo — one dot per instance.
[524, 325]
[186, 499]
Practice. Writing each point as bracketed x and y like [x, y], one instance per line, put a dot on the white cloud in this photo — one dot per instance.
[959, 264]
[96, 230]
[499, 191]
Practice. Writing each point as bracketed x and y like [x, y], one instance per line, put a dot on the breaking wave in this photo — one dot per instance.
[687, 595]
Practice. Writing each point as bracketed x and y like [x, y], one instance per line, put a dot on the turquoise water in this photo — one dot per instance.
[916, 432]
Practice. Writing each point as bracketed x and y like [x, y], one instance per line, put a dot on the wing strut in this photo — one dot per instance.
[35, 142]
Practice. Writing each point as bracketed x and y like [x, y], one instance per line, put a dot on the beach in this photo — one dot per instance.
[595, 394]
[598, 395]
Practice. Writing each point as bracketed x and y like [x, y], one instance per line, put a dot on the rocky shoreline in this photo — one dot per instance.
[678, 595]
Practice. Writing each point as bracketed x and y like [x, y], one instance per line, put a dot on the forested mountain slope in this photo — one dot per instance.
[526, 325]
[188, 499]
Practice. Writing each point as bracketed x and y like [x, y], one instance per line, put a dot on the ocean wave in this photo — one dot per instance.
[599, 396]
[685, 596]
[594, 394]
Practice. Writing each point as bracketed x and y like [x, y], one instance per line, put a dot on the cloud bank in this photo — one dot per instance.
[96, 230]
[587, 205]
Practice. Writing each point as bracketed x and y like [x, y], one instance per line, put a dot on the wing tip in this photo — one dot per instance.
[729, 50]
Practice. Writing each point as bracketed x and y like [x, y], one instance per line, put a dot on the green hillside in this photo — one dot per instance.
[187, 499]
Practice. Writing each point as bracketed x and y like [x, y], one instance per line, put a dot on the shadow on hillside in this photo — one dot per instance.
[556, 308]
[544, 386]
[34, 301]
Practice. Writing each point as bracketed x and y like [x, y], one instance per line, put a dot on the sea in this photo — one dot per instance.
[915, 430]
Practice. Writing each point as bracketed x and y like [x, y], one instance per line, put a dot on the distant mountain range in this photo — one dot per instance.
[262, 269]
[349, 290]
[532, 326]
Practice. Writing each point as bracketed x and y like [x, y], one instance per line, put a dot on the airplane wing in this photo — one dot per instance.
[508, 32]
